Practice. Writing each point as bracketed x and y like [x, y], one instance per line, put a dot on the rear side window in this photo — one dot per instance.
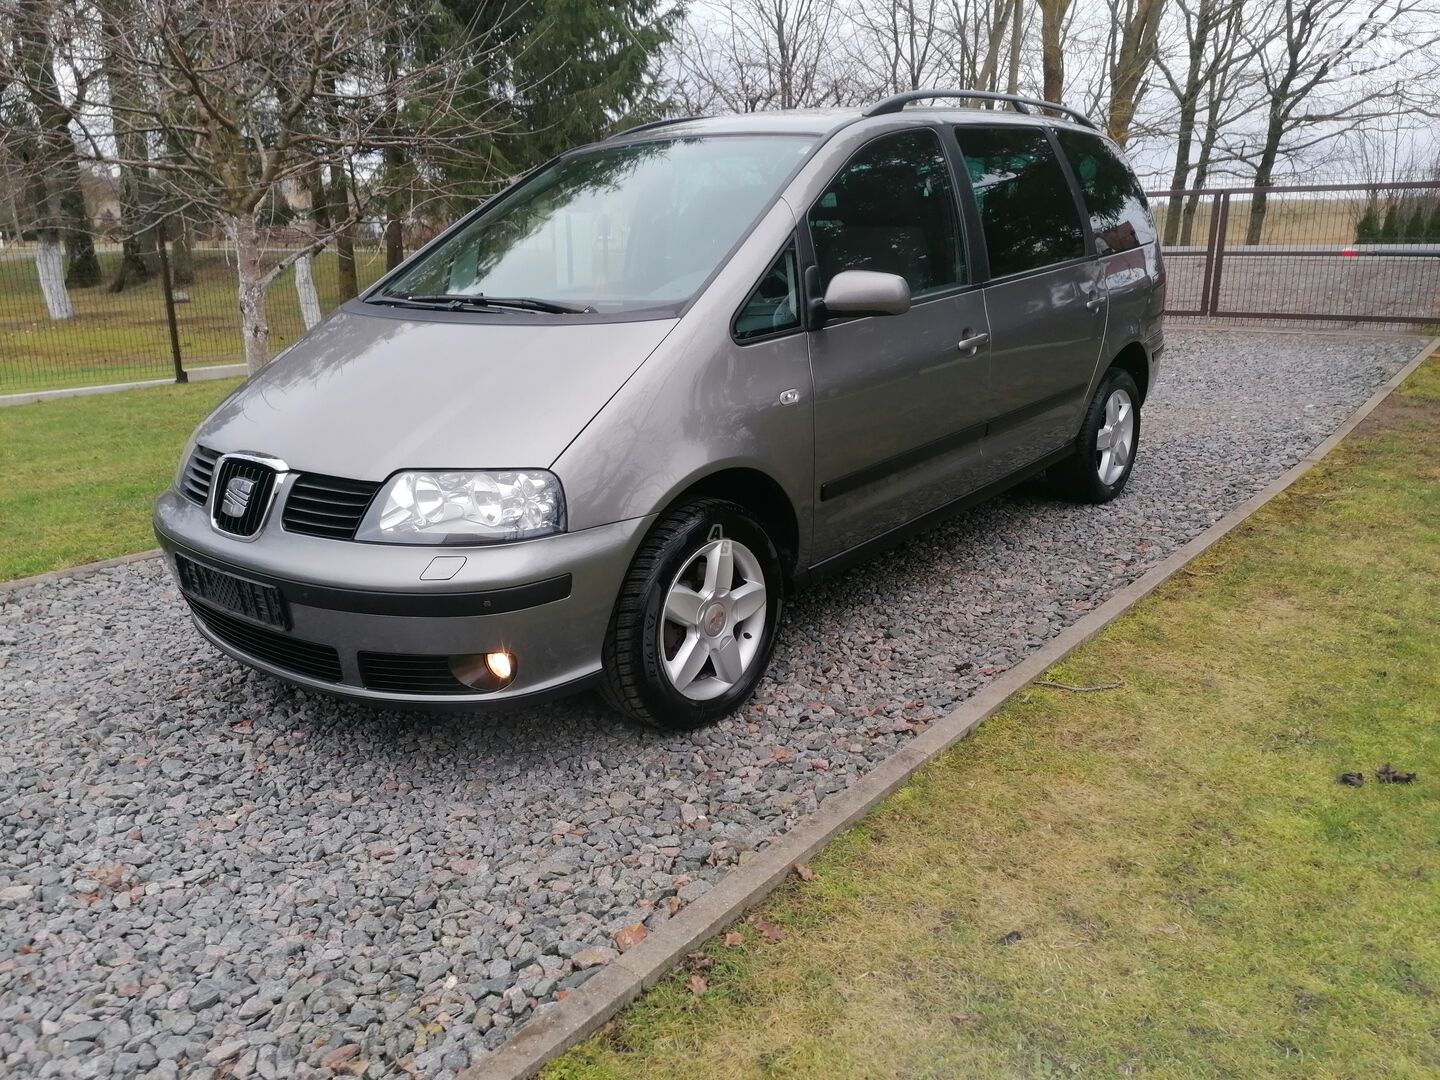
[1119, 216]
[1026, 209]
[892, 209]
[774, 306]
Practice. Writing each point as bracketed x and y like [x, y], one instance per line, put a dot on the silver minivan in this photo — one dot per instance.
[595, 432]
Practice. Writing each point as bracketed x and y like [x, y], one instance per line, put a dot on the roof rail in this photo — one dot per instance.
[651, 124]
[1022, 104]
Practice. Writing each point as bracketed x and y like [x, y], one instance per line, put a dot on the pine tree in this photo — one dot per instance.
[1415, 228]
[1367, 229]
[1390, 227]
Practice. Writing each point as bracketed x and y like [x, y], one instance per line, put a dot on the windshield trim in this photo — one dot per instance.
[363, 304]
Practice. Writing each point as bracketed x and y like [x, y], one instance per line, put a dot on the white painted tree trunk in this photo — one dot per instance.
[254, 321]
[305, 290]
[50, 267]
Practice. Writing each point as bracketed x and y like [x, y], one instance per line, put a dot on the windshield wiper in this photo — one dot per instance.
[462, 301]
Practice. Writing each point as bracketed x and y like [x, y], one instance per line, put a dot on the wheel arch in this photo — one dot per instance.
[1134, 360]
[762, 495]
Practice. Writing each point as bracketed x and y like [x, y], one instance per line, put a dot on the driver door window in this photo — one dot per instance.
[892, 209]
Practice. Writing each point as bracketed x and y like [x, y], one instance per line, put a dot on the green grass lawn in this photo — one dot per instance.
[122, 337]
[1163, 879]
[78, 475]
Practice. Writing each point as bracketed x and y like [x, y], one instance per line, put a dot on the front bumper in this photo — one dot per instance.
[546, 601]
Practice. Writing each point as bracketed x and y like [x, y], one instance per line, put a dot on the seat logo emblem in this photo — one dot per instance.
[237, 496]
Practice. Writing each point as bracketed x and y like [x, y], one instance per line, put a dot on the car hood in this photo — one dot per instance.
[364, 395]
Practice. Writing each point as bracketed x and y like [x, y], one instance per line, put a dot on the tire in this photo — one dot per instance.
[1090, 476]
[682, 673]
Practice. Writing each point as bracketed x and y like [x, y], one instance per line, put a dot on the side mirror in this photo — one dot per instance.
[866, 292]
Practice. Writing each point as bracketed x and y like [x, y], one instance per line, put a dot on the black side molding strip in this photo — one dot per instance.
[843, 485]
[898, 535]
[412, 604]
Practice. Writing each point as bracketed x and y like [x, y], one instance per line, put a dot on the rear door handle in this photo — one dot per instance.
[1095, 303]
[970, 344]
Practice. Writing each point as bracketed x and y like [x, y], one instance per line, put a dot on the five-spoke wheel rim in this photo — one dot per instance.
[1115, 442]
[713, 620]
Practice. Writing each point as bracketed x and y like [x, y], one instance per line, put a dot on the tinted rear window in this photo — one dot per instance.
[1026, 208]
[1119, 216]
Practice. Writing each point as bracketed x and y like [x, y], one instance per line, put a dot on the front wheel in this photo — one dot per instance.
[695, 622]
[1106, 448]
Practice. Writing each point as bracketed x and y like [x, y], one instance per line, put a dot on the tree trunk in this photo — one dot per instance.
[345, 236]
[254, 322]
[1017, 27]
[305, 291]
[1181, 175]
[82, 266]
[1052, 56]
[1263, 173]
[1127, 76]
[50, 268]
[182, 253]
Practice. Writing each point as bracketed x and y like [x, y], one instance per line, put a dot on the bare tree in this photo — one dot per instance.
[1213, 57]
[1323, 66]
[900, 44]
[234, 103]
[1134, 31]
[746, 55]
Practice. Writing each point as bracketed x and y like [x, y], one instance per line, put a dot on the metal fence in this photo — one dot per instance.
[135, 333]
[1336, 253]
[1333, 253]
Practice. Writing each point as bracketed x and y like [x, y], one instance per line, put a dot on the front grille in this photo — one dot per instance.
[327, 505]
[281, 650]
[406, 674]
[242, 495]
[199, 472]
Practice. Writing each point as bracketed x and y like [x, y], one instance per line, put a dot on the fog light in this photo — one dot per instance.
[486, 671]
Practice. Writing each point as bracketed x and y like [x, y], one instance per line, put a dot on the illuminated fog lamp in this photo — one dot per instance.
[484, 671]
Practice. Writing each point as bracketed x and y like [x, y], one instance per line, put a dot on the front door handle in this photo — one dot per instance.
[1095, 303]
[970, 343]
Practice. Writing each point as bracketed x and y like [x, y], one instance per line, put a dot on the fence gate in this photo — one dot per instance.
[1324, 252]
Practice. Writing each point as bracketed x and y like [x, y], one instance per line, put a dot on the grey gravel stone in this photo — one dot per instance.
[208, 866]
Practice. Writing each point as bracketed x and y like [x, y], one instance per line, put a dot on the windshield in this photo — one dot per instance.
[614, 229]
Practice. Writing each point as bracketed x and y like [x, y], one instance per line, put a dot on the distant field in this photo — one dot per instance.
[123, 337]
[1289, 219]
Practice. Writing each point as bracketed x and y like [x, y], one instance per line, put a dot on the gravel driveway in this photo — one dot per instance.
[201, 869]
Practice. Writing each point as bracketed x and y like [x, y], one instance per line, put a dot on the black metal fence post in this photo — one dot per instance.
[161, 241]
[1222, 224]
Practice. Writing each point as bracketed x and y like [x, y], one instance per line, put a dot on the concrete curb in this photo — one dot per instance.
[205, 374]
[624, 979]
[76, 571]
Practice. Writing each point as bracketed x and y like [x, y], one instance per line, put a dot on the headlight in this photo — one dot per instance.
[465, 507]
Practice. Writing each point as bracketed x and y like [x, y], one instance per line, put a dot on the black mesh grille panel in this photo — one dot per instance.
[199, 472]
[242, 495]
[406, 674]
[281, 650]
[327, 505]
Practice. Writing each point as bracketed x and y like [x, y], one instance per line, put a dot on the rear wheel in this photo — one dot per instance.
[1106, 448]
[694, 626]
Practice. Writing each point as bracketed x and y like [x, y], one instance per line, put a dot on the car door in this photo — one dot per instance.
[900, 400]
[1125, 238]
[1044, 298]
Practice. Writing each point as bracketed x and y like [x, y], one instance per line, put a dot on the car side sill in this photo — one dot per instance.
[898, 535]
